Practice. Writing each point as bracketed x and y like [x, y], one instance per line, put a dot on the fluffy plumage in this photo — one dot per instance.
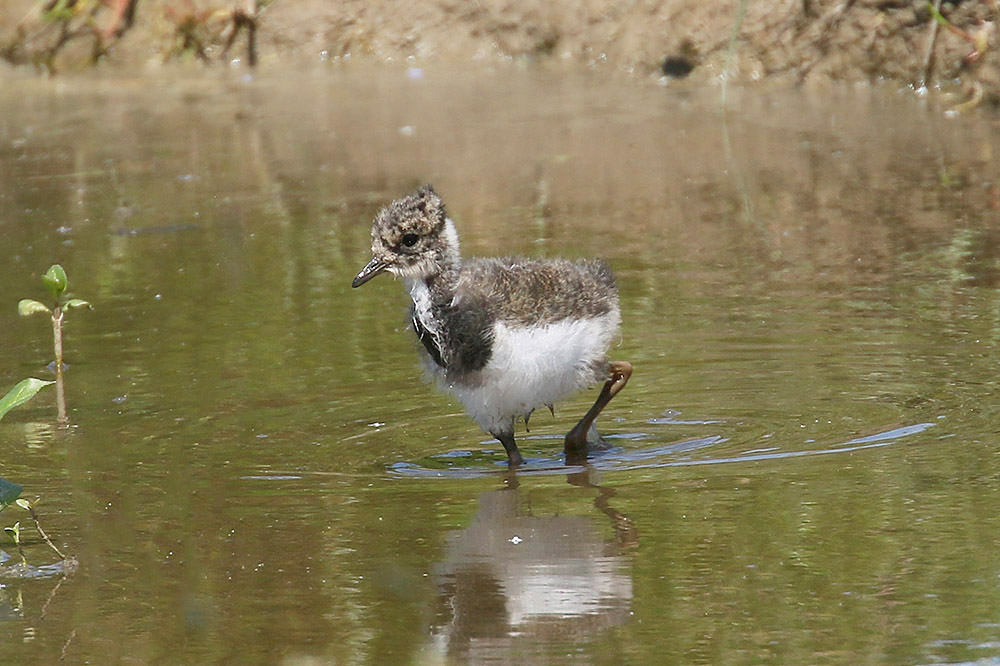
[503, 335]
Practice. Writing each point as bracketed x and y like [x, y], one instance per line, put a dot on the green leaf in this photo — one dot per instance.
[937, 15]
[55, 280]
[22, 392]
[62, 10]
[23, 503]
[9, 491]
[28, 306]
[76, 303]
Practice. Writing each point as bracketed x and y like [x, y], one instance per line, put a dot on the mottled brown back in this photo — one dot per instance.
[538, 291]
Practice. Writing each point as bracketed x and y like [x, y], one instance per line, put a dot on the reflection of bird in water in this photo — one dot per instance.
[625, 532]
[505, 336]
[509, 578]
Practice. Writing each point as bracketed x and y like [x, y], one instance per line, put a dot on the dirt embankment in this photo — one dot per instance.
[788, 40]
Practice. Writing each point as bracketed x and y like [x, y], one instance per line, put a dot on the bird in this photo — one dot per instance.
[503, 335]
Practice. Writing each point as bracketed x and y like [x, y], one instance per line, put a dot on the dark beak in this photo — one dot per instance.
[371, 269]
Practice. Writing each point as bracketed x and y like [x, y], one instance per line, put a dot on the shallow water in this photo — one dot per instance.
[804, 465]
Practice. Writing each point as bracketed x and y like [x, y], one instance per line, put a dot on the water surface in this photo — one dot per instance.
[255, 471]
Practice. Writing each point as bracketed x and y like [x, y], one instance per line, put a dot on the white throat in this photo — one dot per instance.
[451, 235]
[420, 293]
[421, 296]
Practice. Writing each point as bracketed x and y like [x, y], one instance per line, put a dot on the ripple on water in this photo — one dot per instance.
[475, 463]
[21, 570]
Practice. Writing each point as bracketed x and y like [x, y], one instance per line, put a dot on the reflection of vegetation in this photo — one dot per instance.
[55, 283]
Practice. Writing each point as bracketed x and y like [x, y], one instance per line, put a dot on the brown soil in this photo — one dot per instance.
[799, 41]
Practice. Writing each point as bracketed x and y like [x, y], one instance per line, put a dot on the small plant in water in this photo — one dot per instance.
[10, 494]
[55, 282]
[15, 534]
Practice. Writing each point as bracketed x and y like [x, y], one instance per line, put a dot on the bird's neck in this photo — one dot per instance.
[441, 279]
[434, 289]
[450, 257]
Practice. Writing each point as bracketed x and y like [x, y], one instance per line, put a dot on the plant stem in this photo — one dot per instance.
[741, 12]
[57, 319]
[41, 532]
[12, 531]
[60, 398]
[57, 341]
[932, 31]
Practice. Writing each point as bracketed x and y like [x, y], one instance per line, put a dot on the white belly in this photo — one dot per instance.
[532, 367]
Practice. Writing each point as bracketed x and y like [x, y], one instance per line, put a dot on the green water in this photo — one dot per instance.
[255, 471]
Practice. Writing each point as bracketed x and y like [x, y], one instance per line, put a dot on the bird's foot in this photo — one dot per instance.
[595, 442]
[584, 435]
[580, 441]
[513, 455]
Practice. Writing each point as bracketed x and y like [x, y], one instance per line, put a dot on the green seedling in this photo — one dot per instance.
[55, 282]
[10, 494]
[30, 508]
[15, 534]
[22, 392]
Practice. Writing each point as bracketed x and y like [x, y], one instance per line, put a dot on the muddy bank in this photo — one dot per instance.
[797, 41]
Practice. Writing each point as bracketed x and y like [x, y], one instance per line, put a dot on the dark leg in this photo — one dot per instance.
[513, 455]
[576, 439]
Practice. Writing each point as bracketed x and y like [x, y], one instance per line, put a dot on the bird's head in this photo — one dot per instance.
[412, 237]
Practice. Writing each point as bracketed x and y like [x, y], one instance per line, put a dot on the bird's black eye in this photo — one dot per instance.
[409, 240]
